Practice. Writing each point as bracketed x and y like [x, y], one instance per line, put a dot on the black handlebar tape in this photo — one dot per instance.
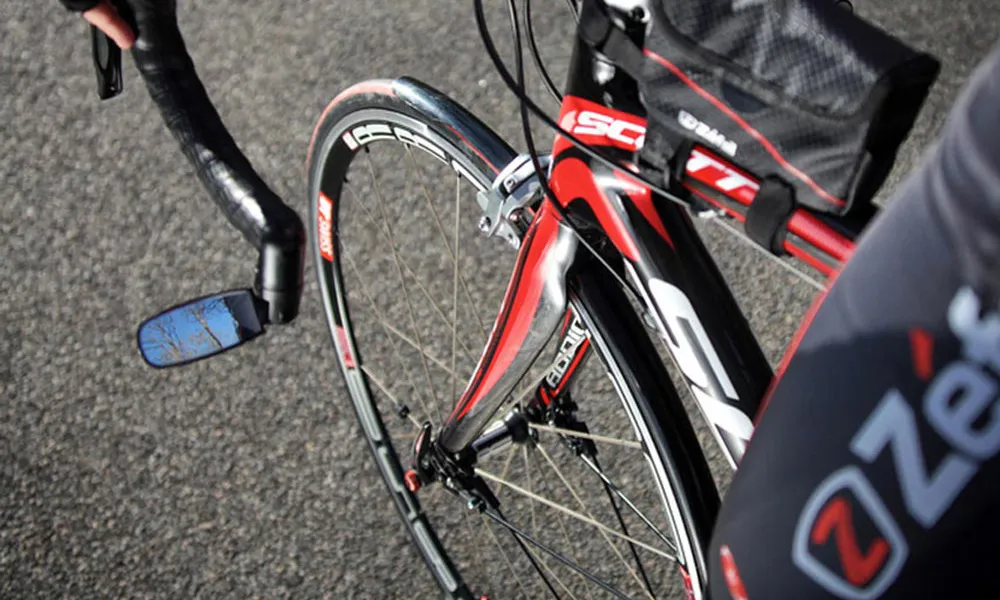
[264, 220]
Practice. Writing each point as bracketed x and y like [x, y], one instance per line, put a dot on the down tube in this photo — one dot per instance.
[533, 308]
[706, 332]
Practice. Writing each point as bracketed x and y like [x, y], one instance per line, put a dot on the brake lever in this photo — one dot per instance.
[108, 64]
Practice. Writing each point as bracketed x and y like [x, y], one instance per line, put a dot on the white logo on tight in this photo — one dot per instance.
[960, 404]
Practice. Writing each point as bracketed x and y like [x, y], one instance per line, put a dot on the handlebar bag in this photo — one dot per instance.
[799, 89]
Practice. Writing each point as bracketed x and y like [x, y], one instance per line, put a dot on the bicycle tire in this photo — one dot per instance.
[681, 471]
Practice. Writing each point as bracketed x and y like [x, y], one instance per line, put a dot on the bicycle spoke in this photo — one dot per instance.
[506, 559]
[506, 468]
[520, 534]
[549, 570]
[511, 452]
[392, 341]
[534, 563]
[385, 390]
[389, 328]
[402, 280]
[631, 547]
[586, 510]
[531, 559]
[527, 476]
[479, 538]
[472, 356]
[454, 290]
[628, 502]
[569, 544]
[534, 521]
[437, 362]
[572, 513]
[536, 560]
[534, 532]
[586, 436]
[440, 227]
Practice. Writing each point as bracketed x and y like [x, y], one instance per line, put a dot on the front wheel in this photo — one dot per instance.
[594, 502]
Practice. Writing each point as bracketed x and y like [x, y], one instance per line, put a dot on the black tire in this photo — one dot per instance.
[408, 112]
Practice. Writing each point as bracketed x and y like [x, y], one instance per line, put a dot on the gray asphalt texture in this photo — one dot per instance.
[244, 476]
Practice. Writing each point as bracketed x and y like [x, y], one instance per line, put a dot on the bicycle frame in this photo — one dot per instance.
[694, 311]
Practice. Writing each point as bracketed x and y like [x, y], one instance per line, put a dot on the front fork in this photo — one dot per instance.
[534, 307]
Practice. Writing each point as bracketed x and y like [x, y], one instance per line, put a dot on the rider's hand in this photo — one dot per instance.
[101, 14]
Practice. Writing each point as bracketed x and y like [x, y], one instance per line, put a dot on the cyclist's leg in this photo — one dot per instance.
[875, 472]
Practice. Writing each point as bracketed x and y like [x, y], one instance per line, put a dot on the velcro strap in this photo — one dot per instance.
[594, 25]
[769, 213]
[599, 32]
[676, 172]
[624, 53]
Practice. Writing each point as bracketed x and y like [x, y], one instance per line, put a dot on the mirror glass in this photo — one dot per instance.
[200, 328]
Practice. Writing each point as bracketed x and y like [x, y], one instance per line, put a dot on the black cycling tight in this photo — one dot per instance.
[875, 470]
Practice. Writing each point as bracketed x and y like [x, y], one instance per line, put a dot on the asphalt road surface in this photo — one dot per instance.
[244, 476]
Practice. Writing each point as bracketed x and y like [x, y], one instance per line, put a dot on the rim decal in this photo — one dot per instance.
[325, 227]
[344, 347]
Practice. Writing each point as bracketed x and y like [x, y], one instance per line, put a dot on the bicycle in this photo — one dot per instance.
[604, 257]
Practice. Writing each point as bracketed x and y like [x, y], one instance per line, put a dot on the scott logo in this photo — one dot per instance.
[846, 540]
[703, 130]
[622, 133]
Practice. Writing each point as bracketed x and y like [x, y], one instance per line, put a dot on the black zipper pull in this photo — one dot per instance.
[107, 63]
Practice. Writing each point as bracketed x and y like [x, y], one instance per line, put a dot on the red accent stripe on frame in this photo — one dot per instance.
[572, 179]
[580, 352]
[817, 233]
[566, 321]
[642, 197]
[809, 228]
[809, 259]
[803, 223]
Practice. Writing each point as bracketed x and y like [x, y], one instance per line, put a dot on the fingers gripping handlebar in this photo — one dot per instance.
[265, 221]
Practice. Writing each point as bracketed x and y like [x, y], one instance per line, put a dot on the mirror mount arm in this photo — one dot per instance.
[279, 274]
[262, 308]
